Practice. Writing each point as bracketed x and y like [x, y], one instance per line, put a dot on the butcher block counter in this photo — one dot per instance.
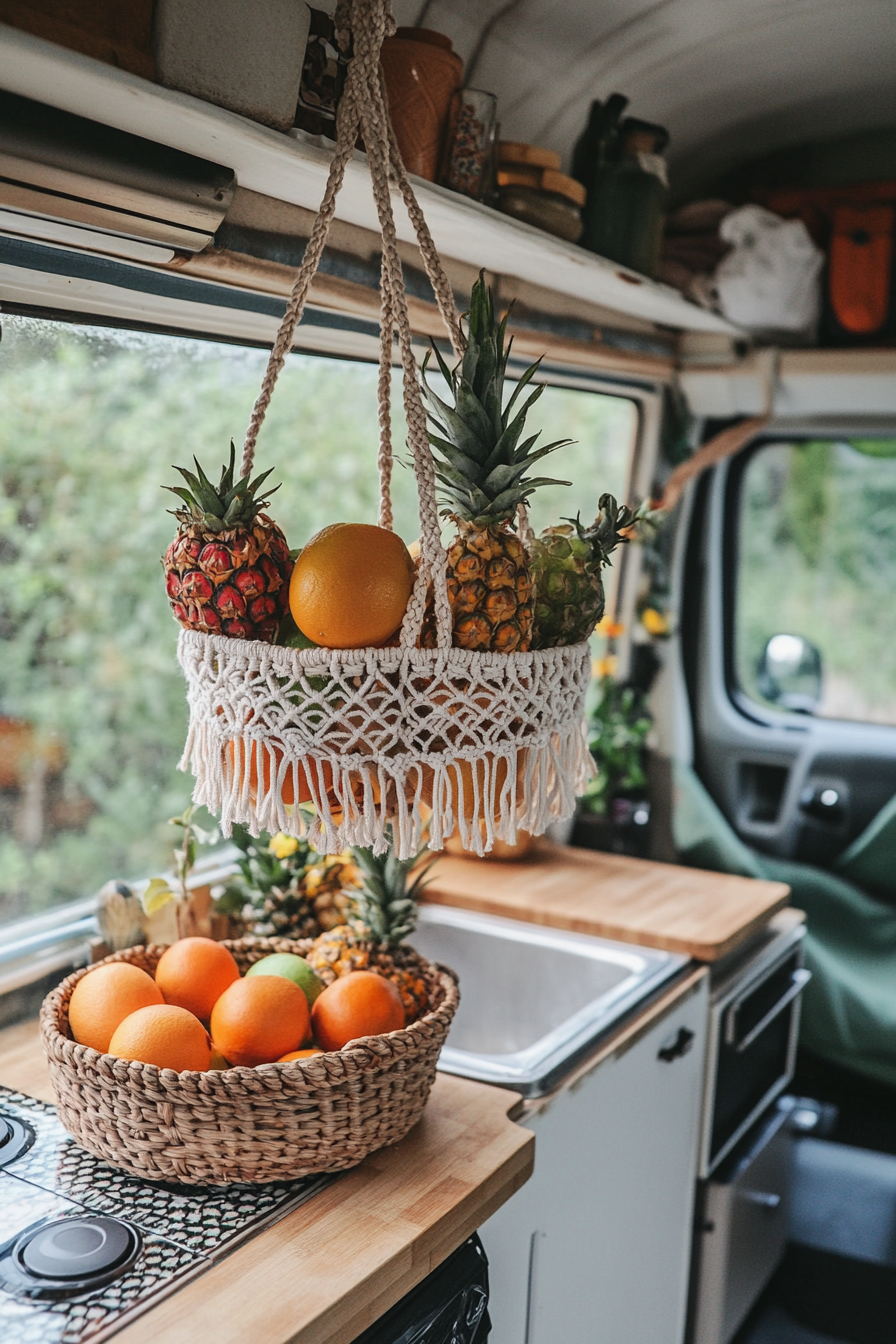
[703, 915]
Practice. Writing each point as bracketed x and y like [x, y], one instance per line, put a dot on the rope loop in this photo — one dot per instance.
[361, 26]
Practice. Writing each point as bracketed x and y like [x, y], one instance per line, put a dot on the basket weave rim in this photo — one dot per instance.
[321, 657]
[356, 1051]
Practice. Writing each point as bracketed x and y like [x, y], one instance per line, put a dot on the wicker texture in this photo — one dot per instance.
[271, 1123]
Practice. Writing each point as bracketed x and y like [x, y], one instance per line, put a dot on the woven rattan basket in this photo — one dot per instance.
[275, 1122]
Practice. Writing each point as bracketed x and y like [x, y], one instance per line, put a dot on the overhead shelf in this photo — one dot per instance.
[278, 165]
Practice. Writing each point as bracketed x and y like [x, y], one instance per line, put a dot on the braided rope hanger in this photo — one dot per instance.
[361, 26]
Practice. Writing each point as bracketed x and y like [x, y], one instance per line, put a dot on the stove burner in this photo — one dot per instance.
[69, 1257]
[76, 1248]
[15, 1138]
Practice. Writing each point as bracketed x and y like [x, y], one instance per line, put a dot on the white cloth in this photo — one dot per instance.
[770, 280]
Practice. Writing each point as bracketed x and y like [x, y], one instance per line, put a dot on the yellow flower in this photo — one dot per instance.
[604, 667]
[609, 628]
[654, 622]
[283, 845]
[313, 878]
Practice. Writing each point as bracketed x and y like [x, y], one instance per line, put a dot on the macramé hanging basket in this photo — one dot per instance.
[384, 742]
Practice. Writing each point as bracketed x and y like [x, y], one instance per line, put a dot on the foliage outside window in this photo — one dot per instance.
[817, 558]
[92, 702]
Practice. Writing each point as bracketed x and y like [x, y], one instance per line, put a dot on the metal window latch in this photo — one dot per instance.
[680, 1046]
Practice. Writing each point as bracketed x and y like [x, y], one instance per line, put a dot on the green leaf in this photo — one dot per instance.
[524, 380]
[157, 895]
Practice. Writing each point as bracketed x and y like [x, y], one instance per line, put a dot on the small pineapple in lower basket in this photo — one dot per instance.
[275, 901]
[384, 912]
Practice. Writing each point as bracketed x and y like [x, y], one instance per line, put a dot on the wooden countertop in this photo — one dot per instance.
[702, 914]
[329, 1269]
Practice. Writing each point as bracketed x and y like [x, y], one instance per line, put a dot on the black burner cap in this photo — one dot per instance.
[16, 1137]
[77, 1248]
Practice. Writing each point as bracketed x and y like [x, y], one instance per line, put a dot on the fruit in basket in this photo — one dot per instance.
[294, 892]
[351, 585]
[481, 467]
[104, 997]
[193, 973]
[566, 564]
[293, 968]
[299, 1054]
[384, 913]
[227, 570]
[164, 1035]
[259, 1019]
[253, 757]
[360, 1004]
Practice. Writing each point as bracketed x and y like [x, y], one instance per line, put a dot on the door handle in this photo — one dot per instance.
[798, 982]
[765, 1199]
[677, 1048]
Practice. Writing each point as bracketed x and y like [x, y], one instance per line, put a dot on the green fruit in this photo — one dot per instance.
[289, 635]
[291, 968]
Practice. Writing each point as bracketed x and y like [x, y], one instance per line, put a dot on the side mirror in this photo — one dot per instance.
[789, 674]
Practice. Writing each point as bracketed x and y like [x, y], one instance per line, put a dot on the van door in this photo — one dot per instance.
[788, 634]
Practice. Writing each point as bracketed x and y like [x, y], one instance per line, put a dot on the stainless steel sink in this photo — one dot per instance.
[533, 1000]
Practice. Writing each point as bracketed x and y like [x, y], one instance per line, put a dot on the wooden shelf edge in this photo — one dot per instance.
[278, 165]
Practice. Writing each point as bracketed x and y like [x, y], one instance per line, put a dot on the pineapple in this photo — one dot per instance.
[227, 571]
[566, 564]
[481, 468]
[328, 886]
[272, 885]
[385, 912]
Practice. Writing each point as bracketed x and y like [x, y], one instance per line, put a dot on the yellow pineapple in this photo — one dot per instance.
[481, 468]
[384, 911]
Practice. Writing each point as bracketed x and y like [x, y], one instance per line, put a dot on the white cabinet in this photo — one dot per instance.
[595, 1248]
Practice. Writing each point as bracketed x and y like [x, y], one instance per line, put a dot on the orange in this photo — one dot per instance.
[193, 973]
[169, 1037]
[358, 1004]
[105, 997]
[259, 1020]
[249, 754]
[350, 586]
[298, 1054]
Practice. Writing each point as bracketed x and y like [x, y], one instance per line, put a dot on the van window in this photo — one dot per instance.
[92, 701]
[817, 559]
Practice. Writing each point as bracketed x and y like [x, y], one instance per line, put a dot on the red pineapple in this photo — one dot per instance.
[227, 570]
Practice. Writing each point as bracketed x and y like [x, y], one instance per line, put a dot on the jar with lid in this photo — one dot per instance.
[624, 171]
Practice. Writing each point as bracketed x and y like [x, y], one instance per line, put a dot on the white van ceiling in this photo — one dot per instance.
[730, 79]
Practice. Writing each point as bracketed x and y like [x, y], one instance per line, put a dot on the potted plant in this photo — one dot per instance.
[614, 811]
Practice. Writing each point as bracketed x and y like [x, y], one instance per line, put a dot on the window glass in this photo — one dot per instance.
[817, 559]
[92, 701]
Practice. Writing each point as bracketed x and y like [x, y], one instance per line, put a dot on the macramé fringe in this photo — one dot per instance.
[351, 734]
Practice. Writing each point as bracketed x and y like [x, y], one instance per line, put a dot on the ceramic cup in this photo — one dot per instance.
[422, 74]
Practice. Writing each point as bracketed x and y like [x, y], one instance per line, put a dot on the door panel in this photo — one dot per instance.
[796, 536]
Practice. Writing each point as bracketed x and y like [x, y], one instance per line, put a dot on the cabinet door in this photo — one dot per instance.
[595, 1248]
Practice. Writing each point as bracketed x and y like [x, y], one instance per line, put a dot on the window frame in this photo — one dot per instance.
[34, 946]
[753, 710]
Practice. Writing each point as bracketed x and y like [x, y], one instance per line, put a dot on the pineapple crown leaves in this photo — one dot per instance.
[609, 528]
[481, 464]
[386, 904]
[263, 871]
[227, 505]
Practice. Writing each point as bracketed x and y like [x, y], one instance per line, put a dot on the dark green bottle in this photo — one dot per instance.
[622, 168]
